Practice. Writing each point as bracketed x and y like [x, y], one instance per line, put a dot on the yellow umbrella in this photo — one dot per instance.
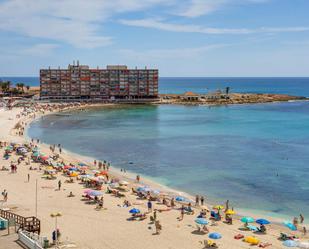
[230, 212]
[219, 207]
[73, 174]
[252, 240]
[49, 168]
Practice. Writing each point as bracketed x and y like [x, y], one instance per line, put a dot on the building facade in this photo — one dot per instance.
[114, 82]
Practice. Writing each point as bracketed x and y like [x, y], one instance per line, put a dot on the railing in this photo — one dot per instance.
[30, 224]
[30, 240]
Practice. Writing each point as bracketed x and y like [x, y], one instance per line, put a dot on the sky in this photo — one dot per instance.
[184, 38]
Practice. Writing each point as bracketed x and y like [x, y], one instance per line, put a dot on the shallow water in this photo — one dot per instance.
[254, 155]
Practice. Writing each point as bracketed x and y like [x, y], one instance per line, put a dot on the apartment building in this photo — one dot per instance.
[84, 83]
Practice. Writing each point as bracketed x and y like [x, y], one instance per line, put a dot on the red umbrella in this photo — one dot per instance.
[44, 157]
[104, 173]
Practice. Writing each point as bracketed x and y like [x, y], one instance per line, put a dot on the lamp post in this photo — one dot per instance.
[56, 215]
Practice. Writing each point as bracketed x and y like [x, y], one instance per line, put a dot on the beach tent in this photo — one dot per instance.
[290, 225]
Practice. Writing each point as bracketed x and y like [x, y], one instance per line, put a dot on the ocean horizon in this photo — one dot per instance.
[277, 85]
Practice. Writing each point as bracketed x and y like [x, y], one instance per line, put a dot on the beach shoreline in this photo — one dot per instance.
[152, 182]
[130, 176]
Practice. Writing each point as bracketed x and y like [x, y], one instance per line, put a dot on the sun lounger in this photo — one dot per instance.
[264, 245]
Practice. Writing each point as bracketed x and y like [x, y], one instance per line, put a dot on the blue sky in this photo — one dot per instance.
[179, 37]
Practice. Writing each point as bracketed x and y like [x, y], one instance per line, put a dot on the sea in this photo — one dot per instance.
[255, 155]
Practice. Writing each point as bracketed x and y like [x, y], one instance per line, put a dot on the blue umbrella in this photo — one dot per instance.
[95, 193]
[82, 164]
[181, 198]
[201, 221]
[73, 169]
[290, 225]
[290, 243]
[247, 219]
[134, 211]
[215, 236]
[262, 221]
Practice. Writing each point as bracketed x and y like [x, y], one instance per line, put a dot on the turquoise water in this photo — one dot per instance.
[257, 156]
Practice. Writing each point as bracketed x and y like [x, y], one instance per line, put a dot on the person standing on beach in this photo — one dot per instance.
[182, 212]
[60, 150]
[202, 200]
[59, 185]
[227, 205]
[28, 177]
[158, 227]
[197, 200]
[301, 219]
[304, 231]
[138, 178]
[149, 205]
[95, 162]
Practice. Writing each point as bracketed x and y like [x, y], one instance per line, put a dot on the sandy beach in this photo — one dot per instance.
[85, 227]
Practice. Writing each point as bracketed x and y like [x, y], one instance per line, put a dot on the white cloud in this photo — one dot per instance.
[44, 49]
[76, 22]
[196, 8]
[179, 53]
[160, 25]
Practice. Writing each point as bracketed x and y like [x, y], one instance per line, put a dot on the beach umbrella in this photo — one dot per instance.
[181, 198]
[134, 211]
[104, 173]
[218, 207]
[215, 236]
[95, 171]
[44, 157]
[82, 164]
[252, 228]
[73, 169]
[247, 219]
[67, 167]
[8, 147]
[252, 240]
[87, 191]
[73, 174]
[155, 192]
[304, 245]
[290, 225]
[201, 221]
[290, 243]
[262, 221]
[230, 212]
[84, 176]
[36, 153]
[114, 185]
[95, 193]
[83, 168]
